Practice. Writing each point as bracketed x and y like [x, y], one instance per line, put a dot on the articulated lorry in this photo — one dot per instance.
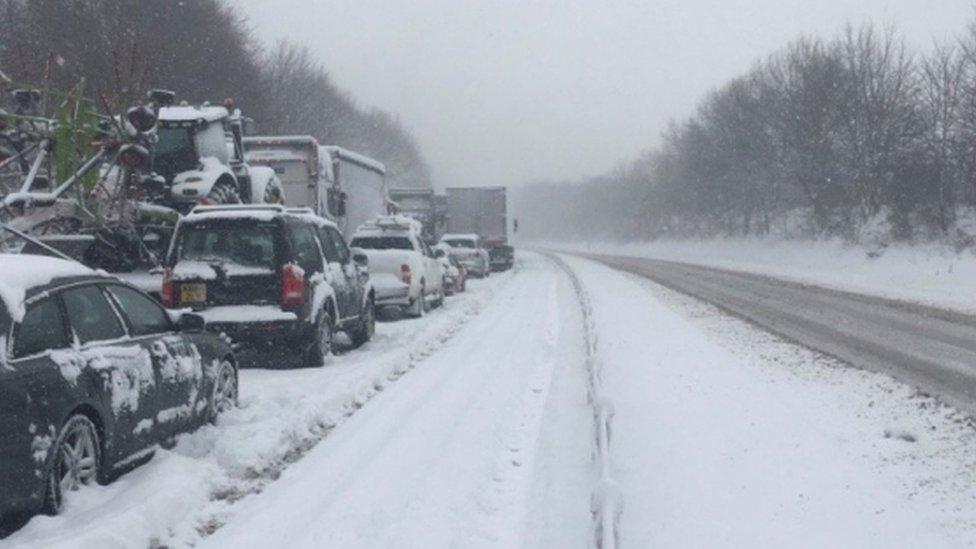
[482, 211]
[338, 184]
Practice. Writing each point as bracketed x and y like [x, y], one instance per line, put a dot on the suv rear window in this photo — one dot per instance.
[249, 244]
[381, 243]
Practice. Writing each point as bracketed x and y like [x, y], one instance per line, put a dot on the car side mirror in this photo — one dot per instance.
[439, 253]
[190, 322]
[360, 258]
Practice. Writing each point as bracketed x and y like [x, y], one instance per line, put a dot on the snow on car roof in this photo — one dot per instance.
[260, 212]
[387, 223]
[189, 113]
[354, 157]
[21, 272]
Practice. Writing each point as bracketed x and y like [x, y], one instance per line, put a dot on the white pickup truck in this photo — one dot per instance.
[402, 267]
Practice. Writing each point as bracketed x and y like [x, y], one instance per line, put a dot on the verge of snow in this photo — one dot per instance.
[728, 436]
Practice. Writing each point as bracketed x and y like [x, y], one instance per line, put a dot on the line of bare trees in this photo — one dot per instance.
[203, 50]
[839, 138]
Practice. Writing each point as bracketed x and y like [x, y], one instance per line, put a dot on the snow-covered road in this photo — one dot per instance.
[472, 427]
[727, 436]
[449, 456]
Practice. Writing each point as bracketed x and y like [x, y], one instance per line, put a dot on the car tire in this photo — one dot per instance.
[367, 326]
[225, 391]
[224, 192]
[76, 461]
[321, 348]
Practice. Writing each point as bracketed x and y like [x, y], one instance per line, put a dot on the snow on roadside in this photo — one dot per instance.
[727, 436]
[929, 274]
[188, 492]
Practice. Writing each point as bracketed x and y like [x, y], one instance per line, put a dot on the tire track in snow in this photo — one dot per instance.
[417, 468]
[606, 502]
[253, 481]
[507, 502]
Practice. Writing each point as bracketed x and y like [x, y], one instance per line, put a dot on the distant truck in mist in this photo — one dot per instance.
[338, 184]
[482, 211]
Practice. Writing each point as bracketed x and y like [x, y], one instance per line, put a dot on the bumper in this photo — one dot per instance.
[474, 265]
[266, 336]
[258, 328]
[451, 285]
[391, 292]
[502, 264]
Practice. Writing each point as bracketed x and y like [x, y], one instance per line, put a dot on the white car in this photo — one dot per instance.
[402, 267]
[469, 252]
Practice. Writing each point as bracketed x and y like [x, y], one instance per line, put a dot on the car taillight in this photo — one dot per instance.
[292, 286]
[167, 294]
[405, 273]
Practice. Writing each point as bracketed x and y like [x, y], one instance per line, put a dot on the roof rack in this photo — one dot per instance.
[301, 210]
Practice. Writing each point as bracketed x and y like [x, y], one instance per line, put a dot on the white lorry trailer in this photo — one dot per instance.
[338, 184]
[482, 211]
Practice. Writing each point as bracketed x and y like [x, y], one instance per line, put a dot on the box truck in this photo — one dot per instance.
[338, 184]
[482, 211]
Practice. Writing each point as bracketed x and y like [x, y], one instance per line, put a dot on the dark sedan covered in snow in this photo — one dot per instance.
[93, 376]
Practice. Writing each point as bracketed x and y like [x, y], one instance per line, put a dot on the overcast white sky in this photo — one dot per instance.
[508, 91]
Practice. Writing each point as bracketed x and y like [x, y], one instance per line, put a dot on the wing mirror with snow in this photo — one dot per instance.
[359, 257]
[192, 323]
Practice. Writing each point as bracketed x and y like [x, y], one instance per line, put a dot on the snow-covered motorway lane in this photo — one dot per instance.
[471, 427]
[458, 454]
[931, 348]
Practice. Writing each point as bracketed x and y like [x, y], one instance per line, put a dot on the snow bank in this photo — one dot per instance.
[928, 274]
[725, 436]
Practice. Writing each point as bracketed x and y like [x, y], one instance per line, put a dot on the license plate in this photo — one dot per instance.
[193, 293]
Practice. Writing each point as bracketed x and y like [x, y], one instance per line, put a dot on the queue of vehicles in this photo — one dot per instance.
[271, 247]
